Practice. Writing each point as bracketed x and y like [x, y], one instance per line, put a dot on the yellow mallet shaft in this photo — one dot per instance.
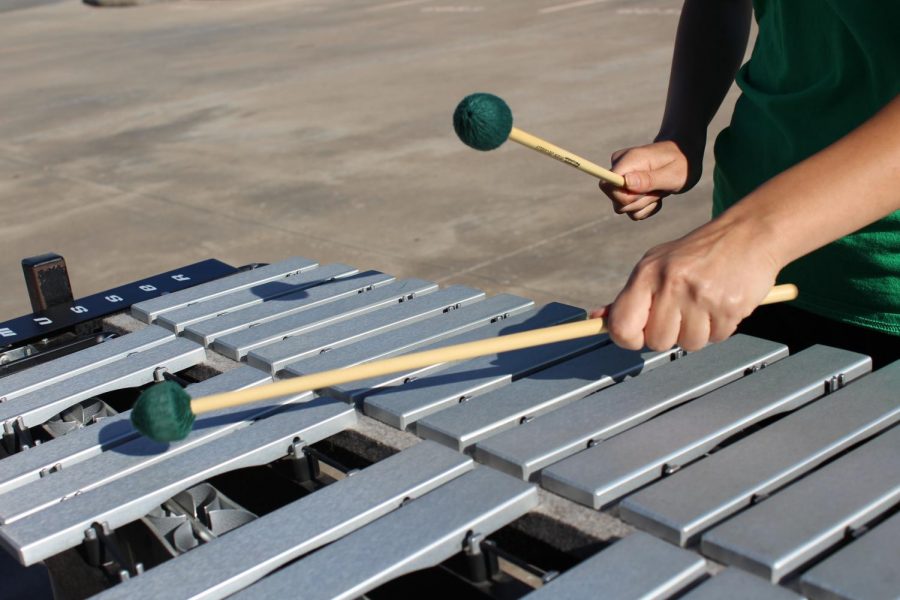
[564, 156]
[418, 360]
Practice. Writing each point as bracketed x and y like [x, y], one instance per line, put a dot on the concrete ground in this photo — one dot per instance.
[135, 140]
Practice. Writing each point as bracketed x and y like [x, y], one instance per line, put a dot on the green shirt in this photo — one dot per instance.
[818, 70]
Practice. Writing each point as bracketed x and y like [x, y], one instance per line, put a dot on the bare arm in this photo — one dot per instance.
[689, 291]
[709, 47]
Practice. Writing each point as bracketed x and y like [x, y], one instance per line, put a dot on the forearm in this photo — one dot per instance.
[848, 185]
[709, 48]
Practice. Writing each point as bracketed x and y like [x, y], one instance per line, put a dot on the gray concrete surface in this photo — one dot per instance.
[135, 140]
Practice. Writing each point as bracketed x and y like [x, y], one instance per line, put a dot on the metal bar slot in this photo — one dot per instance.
[619, 465]
[126, 499]
[225, 565]
[639, 566]
[420, 534]
[149, 310]
[681, 507]
[525, 450]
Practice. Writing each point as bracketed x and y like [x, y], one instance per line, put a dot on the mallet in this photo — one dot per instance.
[485, 122]
[165, 412]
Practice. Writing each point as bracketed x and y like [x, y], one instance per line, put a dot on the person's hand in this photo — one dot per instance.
[651, 173]
[693, 290]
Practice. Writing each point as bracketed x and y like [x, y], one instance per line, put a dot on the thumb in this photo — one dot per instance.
[663, 180]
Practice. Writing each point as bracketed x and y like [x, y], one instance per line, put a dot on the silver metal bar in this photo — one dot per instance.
[525, 450]
[735, 584]
[65, 367]
[639, 566]
[123, 500]
[139, 453]
[681, 507]
[621, 464]
[401, 406]
[463, 425]
[776, 537]
[866, 569]
[79, 445]
[225, 565]
[149, 310]
[205, 332]
[134, 370]
[180, 318]
[275, 357]
[479, 319]
[420, 534]
[513, 322]
[240, 343]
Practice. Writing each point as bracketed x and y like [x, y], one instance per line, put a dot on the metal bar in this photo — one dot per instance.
[132, 371]
[639, 566]
[138, 453]
[123, 500]
[621, 464]
[775, 537]
[149, 310]
[180, 318]
[525, 450]
[225, 565]
[867, 568]
[19, 384]
[205, 332]
[420, 534]
[238, 344]
[275, 357]
[681, 507]
[735, 584]
[463, 425]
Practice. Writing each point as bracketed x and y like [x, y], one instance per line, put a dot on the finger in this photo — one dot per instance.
[720, 329]
[695, 329]
[647, 211]
[627, 316]
[642, 203]
[668, 178]
[599, 313]
[619, 196]
[663, 324]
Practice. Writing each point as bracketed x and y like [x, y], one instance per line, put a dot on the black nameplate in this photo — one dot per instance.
[58, 318]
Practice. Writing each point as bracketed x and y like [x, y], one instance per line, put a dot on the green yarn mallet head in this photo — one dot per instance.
[163, 412]
[482, 121]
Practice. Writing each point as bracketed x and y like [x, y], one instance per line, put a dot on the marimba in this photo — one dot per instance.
[573, 470]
